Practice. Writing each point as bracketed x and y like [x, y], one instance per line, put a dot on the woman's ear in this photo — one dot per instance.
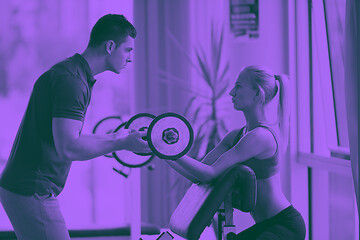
[259, 96]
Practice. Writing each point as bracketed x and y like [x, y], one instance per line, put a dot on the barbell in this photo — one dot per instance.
[108, 125]
[130, 159]
[169, 135]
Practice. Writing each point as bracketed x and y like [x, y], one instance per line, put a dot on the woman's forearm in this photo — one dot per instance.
[199, 170]
[182, 171]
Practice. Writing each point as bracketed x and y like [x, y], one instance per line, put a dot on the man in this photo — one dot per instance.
[49, 137]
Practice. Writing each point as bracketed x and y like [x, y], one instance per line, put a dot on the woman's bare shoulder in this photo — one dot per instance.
[264, 139]
[229, 138]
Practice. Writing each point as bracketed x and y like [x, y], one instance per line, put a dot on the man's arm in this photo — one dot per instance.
[73, 146]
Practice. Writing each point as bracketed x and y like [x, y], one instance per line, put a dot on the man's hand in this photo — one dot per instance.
[134, 142]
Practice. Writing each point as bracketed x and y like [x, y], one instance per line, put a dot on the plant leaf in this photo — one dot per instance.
[198, 141]
[168, 80]
[213, 139]
[214, 49]
[200, 128]
[196, 114]
[226, 69]
[204, 69]
[221, 92]
[178, 80]
[223, 126]
[189, 105]
[217, 53]
[172, 37]
[195, 148]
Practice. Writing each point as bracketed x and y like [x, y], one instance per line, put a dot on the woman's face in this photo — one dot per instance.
[243, 94]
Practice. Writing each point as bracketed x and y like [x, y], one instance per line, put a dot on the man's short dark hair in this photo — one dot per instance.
[111, 27]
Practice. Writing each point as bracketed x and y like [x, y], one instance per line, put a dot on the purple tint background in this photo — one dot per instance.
[35, 34]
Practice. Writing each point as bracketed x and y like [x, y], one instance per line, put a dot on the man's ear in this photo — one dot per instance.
[110, 46]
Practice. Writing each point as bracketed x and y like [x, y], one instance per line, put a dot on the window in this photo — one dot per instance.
[335, 26]
[324, 148]
[329, 113]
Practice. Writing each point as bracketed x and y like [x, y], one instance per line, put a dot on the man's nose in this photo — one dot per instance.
[231, 93]
[129, 58]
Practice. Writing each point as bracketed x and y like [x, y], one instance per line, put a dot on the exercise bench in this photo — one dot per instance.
[236, 188]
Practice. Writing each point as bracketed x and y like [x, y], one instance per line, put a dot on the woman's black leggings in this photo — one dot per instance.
[286, 225]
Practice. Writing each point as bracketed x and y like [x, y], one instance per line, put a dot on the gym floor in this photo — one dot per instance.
[208, 234]
[104, 238]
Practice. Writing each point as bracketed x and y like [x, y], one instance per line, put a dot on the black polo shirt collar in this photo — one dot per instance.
[89, 76]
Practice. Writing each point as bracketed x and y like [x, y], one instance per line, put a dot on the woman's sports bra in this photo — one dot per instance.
[263, 168]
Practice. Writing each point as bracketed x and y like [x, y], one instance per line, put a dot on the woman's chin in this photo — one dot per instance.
[235, 106]
[238, 108]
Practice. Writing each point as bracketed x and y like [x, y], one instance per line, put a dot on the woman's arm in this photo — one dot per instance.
[225, 144]
[256, 142]
[182, 171]
[210, 158]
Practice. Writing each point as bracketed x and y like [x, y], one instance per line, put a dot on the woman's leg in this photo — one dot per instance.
[251, 232]
[288, 224]
[280, 232]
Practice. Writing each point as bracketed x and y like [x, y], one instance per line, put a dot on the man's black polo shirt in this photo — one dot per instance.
[34, 166]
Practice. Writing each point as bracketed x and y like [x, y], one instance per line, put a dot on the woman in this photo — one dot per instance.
[255, 145]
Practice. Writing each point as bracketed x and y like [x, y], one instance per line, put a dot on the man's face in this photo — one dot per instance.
[120, 56]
